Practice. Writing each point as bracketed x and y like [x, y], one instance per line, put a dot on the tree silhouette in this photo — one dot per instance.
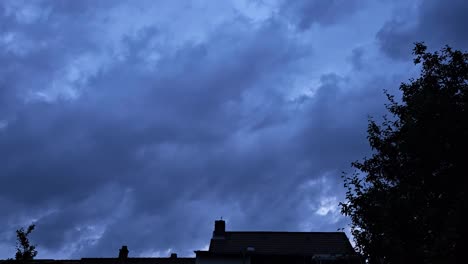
[408, 202]
[24, 249]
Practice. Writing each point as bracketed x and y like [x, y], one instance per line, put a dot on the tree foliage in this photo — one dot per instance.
[408, 201]
[24, 249]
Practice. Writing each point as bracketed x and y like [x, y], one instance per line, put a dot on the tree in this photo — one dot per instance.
[408, 202]
[24, 249]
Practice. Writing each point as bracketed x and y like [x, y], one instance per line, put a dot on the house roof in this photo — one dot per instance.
[282, 243]
[138, 261]
[42, 261]
[111, 261]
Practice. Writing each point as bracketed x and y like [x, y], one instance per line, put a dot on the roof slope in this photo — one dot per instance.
[138, 261]
[110, 261]
[283, 243]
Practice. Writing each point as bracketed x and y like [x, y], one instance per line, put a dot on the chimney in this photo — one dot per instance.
[220, 229]
[123, 252]
[173, 255]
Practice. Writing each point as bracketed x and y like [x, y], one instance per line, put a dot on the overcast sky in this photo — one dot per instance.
[141, 122]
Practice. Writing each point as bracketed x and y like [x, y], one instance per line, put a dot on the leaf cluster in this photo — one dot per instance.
[24, 250]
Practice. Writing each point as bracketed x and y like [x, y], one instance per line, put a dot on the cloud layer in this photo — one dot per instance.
[140, 123]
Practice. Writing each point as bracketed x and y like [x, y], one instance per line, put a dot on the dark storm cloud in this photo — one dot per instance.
[170, 134]
[356, 58]
[117, 129]
[435, 22]
[306, 13]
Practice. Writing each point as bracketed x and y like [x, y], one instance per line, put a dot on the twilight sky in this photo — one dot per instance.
[141, 122]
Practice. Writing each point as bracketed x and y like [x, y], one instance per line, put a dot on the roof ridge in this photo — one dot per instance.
[133, 258]
[288, 232]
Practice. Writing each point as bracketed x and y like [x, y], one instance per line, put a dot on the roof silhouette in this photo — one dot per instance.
[283, 243]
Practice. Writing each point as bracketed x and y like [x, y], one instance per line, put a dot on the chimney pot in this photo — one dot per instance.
[123, 252]
[220, 229]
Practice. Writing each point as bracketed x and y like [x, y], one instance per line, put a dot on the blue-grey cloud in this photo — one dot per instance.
[437, 23]
[304, 14]
[141, 123]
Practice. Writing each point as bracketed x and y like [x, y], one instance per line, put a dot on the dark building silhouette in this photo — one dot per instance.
[122, 259]
[238, 247]
[276, 247]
